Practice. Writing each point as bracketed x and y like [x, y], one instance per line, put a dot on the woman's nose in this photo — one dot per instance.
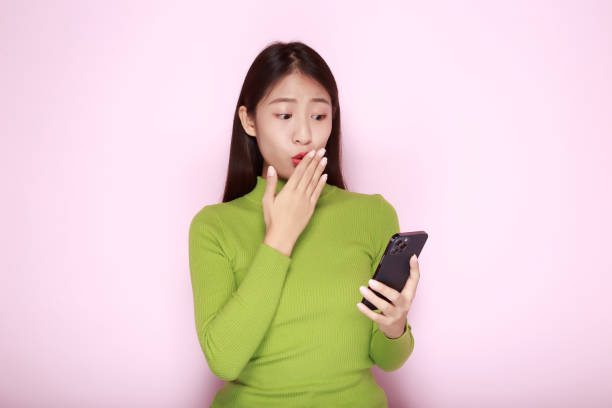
[302, 133]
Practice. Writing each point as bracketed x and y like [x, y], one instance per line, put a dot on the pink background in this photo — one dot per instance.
[487, 124]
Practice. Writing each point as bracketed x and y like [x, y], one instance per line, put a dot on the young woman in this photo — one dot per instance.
[276, 267]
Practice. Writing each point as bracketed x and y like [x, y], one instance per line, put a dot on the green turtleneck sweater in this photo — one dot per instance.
[285, 331]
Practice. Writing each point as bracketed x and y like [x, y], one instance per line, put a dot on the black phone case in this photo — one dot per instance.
[394, 267]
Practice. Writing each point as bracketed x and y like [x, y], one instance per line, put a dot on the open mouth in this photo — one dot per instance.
[298, 157]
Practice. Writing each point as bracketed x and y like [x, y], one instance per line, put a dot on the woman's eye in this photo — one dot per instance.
[281, 115]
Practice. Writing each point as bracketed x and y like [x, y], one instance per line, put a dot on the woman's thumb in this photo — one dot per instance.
[270, 185]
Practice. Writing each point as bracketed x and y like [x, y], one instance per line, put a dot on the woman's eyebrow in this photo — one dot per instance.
[295, 100]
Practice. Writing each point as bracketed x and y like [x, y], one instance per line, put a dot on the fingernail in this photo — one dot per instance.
[311, 154]
[270, 171]
[372, 282]
[321, 151]
[413, 258]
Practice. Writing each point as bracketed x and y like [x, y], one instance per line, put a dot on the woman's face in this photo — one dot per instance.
[294, 117]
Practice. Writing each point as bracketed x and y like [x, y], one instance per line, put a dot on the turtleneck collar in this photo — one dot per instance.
[256, 194]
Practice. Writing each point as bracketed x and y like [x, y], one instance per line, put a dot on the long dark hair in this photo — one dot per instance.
[273, 63]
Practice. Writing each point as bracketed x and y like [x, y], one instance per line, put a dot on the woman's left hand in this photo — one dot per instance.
[392, 319]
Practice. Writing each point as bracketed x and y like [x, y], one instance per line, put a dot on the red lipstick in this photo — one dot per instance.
[300, 155]
[297, 158]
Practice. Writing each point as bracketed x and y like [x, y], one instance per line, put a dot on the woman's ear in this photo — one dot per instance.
[247, 122]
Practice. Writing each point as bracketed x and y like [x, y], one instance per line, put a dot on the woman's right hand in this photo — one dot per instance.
[287, 214]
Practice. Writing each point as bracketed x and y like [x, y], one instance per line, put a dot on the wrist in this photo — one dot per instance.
[279, 243]
[394, 334]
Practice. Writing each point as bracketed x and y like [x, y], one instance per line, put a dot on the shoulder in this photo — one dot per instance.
[213, 213]
[379, 211]
[384, 206]
[375, 204]
[372, 210]
[206, 215]
[207, 221]
[213, 218]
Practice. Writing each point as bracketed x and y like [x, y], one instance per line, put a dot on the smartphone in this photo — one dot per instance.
[394, 267]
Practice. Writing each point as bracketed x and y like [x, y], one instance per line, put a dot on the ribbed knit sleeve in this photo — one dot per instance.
[231, 321]
[388, 354]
